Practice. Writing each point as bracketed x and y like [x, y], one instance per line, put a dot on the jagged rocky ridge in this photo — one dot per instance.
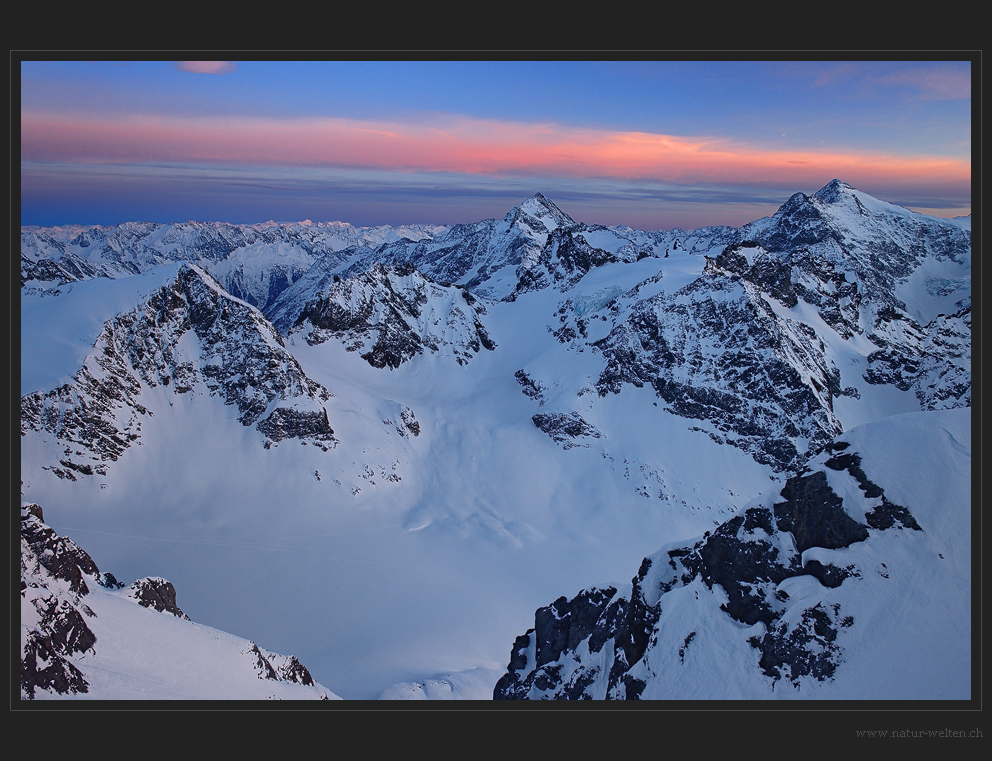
[781, 585]
[61, 591]
[392, 314]
[715, 350]
[491, 257]
[852, 263]
[190, 334]
[743, 346]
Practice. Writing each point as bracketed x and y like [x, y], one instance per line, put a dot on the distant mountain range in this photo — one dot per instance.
[400, 442]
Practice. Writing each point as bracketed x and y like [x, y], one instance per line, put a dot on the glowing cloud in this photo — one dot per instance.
[461, 145]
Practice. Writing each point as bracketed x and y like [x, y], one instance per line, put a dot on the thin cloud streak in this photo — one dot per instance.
[940, 81]
[461, 145]
[941, 84]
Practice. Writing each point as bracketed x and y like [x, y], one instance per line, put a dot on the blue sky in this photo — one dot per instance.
[653, 144]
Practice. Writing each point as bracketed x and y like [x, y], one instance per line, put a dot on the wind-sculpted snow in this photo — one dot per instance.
[94, 642]
[794, 588]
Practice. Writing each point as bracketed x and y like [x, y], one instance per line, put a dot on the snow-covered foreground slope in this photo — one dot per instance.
[83, 634]
[852, 582]
[393, 481]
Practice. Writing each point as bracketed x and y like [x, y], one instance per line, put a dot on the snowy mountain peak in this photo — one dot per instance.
[190, 337]
[843, 206]
[832, 191]
[539, 209]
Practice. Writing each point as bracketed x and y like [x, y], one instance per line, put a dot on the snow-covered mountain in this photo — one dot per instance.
[254, 262]
[835, 295]
[401, 442]
[391, 313]
[191, 336]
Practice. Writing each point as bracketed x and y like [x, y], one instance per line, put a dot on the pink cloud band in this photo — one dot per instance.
[458, 145]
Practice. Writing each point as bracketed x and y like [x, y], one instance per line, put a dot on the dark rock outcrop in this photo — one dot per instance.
[566, 429]
[53, 617]
[156, 593]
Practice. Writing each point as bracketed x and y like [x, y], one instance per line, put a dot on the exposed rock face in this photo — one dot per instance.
[531, 388]
[565, 257]
[235, 354]
[59, 556]
[410, 422]
[588, 647]
[284, 668]
[393, 314]
[97, 416]
[851, 263]
[286, 422]
[601, 621]
[738, 349]
[566, 429]
[157, 593]
[933, 360]
[716, 351]
[53, 619]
